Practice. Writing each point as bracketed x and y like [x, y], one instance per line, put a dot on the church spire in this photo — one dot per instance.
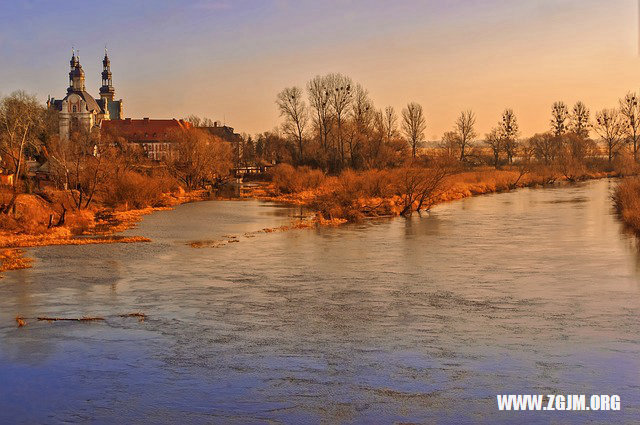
[107, 91]
[74, 60]
[76, 75]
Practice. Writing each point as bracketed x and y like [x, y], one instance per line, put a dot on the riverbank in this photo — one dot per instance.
[349, 197]
[627, 201]
[355, 196]
[82, 227]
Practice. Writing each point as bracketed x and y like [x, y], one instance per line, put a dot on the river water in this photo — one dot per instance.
[411, 321]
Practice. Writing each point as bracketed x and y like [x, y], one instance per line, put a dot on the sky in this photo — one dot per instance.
[227, 59]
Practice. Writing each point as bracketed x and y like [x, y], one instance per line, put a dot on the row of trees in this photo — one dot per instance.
[335, 125]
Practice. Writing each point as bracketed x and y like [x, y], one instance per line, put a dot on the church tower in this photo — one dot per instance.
[76, 75]
[107, 92]
[81, 111]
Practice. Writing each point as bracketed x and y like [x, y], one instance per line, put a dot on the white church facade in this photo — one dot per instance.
[79, 108]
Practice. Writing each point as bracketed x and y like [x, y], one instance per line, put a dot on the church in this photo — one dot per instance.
[79, 108]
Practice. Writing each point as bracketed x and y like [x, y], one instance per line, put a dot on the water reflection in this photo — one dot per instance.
[396, 320]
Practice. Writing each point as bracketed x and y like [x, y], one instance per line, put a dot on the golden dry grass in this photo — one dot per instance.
[55, 238]
[14, 259]
[627, 201]
[353, 196]
[140, 316]
[296, 224]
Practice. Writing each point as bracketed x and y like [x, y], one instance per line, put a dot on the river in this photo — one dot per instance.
[412, 321]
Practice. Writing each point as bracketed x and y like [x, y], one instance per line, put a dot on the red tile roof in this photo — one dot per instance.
[143, 130]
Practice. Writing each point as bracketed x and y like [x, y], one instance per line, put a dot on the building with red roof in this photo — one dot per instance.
[153, 135]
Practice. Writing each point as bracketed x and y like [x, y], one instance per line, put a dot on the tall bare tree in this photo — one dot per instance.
[362, 120]
[610, 128]
[413, 124]
[580, 120]
[630, 110]
[465, 131]
[319, 101]
[509, 131]
[559, 118]
[293, 108]
[390, 124]
[340, 99]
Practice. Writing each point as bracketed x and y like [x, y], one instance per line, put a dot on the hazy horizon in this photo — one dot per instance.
[227, 60]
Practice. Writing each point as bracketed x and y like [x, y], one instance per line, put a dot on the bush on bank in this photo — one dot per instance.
[627, 201]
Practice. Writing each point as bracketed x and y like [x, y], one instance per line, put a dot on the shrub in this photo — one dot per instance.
[627, 201]
[288, 179]
[131, 189]
[625, 165]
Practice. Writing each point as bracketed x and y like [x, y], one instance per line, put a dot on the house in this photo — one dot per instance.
[153, 135]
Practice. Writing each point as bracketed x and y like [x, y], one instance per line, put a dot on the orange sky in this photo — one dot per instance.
[228, 59]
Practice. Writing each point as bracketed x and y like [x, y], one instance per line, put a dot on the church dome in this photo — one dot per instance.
[77, 72]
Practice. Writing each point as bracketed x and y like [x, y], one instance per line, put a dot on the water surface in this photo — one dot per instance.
[408, 321]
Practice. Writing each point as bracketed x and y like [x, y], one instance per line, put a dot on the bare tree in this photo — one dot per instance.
[559, 117]
[494, 140]
[609, 127]
[319, 101]
[465, 131]
[198, 158]
[21, 117]
[450, 145]
[580, 120]
[78, 164]
[340, 98]
[196, 121]
[390, 124]
[630, 110]
[544, 147]
[413, 124]
[362, 118]
[419, 187]
[524, 165]
[509, 131]
[293, 108]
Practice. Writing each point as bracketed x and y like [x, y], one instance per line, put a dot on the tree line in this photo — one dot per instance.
[334, 125]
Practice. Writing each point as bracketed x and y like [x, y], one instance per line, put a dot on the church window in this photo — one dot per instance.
[75, 108]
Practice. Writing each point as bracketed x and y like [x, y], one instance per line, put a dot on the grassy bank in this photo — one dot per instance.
[13, 259]
[353, 196]
[627, 201]
[38, 220]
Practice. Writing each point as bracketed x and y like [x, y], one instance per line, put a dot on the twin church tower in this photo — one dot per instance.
[79, 108]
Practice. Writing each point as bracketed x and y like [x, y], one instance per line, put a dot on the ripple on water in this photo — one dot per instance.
[406, 321]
